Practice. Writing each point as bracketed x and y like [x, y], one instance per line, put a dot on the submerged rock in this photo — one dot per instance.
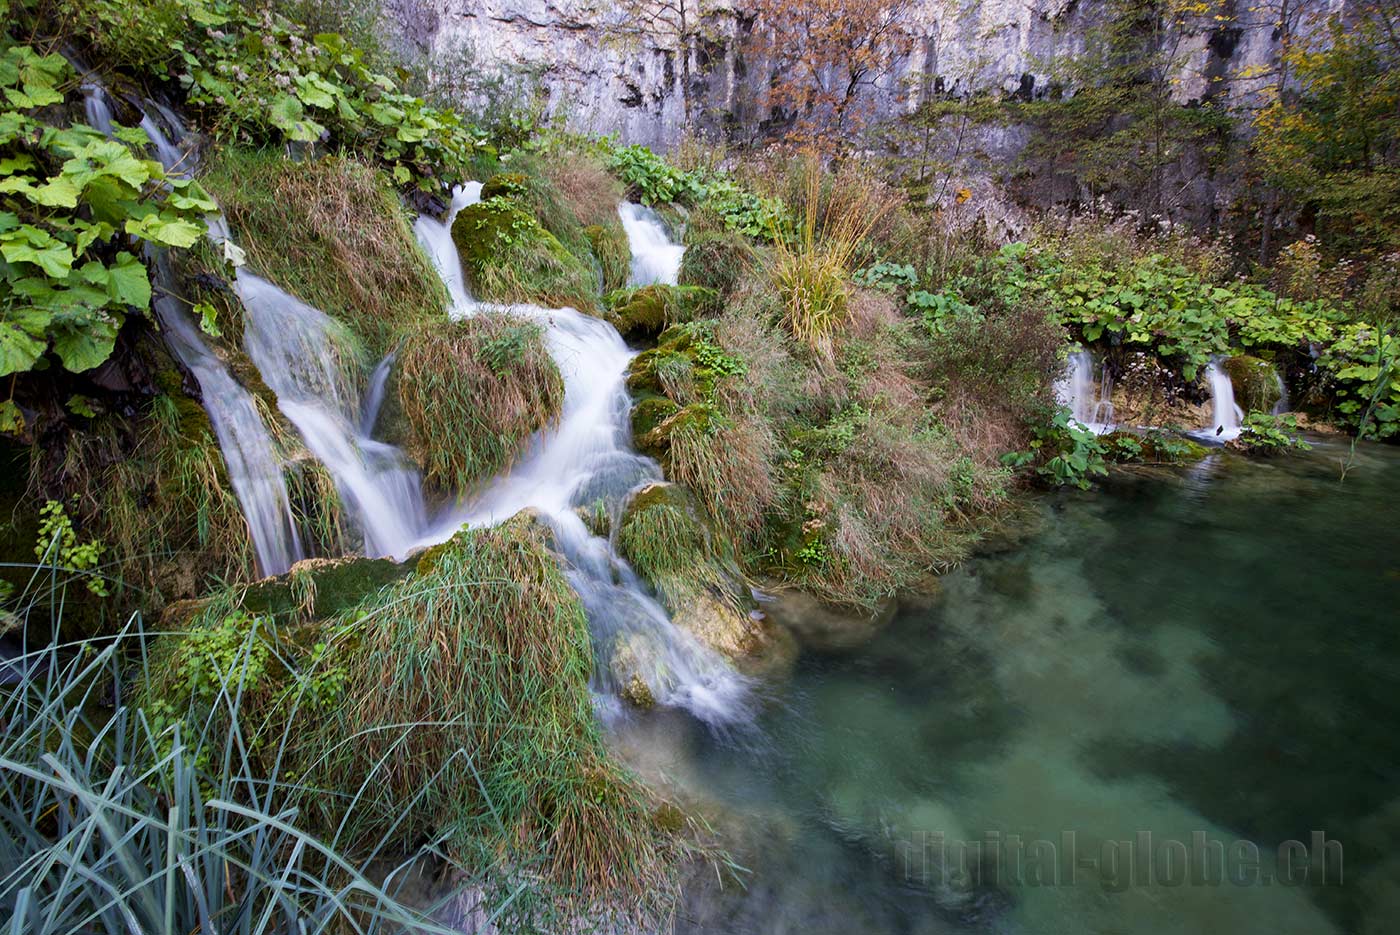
[823, 627]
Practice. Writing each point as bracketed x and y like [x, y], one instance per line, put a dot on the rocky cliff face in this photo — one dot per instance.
[598, 73]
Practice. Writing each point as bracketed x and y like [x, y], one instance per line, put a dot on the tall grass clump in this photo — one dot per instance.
[333, 232]
[673, 545]
[508, 256]
[114, 821]
[485, 654]
[811, 270]
[473, 392]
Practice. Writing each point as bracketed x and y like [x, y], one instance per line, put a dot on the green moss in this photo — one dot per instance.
[472, 393]
[648, 413]
[646, 311]
[506, 185]
[1255, 383]
[509, 257]
[320, 588]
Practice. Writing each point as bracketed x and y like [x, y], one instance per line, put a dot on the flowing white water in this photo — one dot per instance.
[655, 258]
[1226, 415]
[585, 458]
[1089, 399]
[1282, 404]
[254, 469]
[436, 239]
[300, 352]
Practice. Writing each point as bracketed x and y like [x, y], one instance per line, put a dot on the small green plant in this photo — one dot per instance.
[1063, 452]
[1268, 434]
[58, 544]
[887, 277]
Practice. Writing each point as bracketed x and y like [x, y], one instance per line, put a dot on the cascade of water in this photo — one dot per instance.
[374, 395]
[587, 456]
[1226, 415]
[436, 239]
[298, 351]
[1088, 399]
[253, 467]
[655, 258]
[254, 470]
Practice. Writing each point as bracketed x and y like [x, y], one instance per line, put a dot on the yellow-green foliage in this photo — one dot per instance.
[509, 257]
[333, 232]
[472, 393]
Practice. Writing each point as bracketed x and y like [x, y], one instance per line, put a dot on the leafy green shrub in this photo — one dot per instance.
[652, 178]
[1267, 434]
[1063, 453]
[74, 205]
[58, 545]
[887, 277]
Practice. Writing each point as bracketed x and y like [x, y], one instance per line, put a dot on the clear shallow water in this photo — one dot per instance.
[1212, 652]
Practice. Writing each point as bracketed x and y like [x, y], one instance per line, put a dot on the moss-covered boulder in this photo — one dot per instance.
[718, 262]
[509, 257]
[671, 543]
[317, 588]
[472, 392]
[645, 312]
[1255, 381]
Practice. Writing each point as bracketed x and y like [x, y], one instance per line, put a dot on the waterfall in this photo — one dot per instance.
[1282, 404]
[1088, 399]
[299, 351]
[1226, 416]
[436, 239]
[374, 394]
[253, 467]
[655, 259]
[588, 456]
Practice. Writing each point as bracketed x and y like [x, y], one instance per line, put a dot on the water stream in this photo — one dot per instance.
[1226, 415]
[1088, 398]
[655, 257]
[255, 471]
[587, 457]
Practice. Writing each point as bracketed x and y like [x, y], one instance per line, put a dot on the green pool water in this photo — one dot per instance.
[1212, 652]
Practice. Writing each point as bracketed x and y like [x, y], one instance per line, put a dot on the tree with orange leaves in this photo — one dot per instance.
[823, 55]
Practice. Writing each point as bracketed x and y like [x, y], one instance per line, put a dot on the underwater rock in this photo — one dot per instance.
[821, 626]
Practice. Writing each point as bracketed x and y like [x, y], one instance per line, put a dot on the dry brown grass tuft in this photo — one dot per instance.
[584, 187]
[333, 232]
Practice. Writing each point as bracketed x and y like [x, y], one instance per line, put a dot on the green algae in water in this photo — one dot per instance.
[1212, 651]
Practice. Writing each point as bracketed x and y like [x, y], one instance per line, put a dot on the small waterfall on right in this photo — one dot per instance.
[1226, 417]
[1088, 399]
[655, 259]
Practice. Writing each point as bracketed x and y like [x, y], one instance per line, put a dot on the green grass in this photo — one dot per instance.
[509, 257]
[473, 392]
[333, 232]
[114, 821]
[669, 540]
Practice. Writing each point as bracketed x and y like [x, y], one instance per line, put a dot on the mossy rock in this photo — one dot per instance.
[506, 185]
[717, 262]
[1255, 381]
[1154, 449]
[323, 587]
[509, 257]
[647, 415]
[645, 312]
